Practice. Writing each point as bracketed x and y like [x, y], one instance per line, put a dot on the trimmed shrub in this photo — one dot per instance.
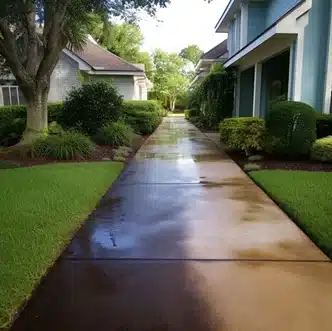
[243, 133]
[142, 122]
[55, 128]
[55, 111]
[12, 124]
[88, 107]
[322, 150]
[324, 125]
[114, 133]
[13, 121]
[69, 145]
[190, 113]
[143, 105]
[291, 128]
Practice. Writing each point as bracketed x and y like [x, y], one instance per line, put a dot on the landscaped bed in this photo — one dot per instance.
[306, 197]
[40, 209]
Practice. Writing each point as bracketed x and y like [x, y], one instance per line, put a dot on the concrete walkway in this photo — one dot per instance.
[186, 242]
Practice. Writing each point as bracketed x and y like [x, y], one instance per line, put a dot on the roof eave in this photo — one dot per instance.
[228, 14]
[116, 73]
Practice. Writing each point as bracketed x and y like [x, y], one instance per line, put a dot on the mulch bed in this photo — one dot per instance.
[270, 163]
[102, 153]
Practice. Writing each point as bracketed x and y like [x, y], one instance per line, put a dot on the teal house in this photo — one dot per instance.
[279, 48]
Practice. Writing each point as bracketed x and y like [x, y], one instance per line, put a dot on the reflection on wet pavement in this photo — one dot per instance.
[184, 241]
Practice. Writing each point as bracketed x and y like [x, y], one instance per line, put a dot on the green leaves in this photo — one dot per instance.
[192, 53]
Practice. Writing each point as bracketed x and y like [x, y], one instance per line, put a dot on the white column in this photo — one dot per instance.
[244, 25]
[236, 33]
[301, 24]
[237, 93]
[257, 90]
[229, 39]
[290, 95]
[328, 82]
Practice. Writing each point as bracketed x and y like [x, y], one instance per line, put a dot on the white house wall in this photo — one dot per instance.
[124, 84]
[63, 79]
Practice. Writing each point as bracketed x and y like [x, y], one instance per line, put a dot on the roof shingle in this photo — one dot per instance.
[102, 60]
[216, 51]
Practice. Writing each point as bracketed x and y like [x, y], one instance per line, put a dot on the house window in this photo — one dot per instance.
[12, 95]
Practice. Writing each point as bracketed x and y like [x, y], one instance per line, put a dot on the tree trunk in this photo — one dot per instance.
[172, 104]
[37, 119]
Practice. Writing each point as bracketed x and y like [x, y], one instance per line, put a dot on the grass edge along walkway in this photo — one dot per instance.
[40, 209]
[306, 197]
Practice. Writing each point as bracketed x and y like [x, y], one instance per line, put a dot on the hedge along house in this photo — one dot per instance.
[279, 48]
[90, 64]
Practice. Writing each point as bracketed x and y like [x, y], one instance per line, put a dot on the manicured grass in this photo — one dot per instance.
[305, 196]
[40, 208]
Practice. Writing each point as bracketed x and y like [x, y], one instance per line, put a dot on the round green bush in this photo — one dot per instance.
[291, 128]
[322, 150]
[69, 145]
[88, 107]
[143, 122]
[115, 134]
[243, 133]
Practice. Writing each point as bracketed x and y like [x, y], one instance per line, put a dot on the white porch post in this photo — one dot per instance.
[291, 70]
[301, 23]
[328, 82]
[257, 90]
[236, 33]
[244, 25]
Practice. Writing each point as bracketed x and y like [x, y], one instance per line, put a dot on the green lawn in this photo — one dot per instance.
[307, 197]
[40, 208]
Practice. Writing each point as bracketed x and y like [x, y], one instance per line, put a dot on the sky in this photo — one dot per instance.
[184, 22]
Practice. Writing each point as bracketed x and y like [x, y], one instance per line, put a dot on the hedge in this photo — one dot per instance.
[290, 128]
[243, 133]
[13, 121]
[146, 105]
[143, 122]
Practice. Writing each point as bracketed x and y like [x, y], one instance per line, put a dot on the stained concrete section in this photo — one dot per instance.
[185, 241]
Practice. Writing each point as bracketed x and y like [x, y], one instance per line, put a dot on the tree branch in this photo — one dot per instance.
[32, 38]
[10, 53]
[51, 34]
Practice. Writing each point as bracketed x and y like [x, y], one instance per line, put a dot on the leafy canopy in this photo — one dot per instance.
[192, 53]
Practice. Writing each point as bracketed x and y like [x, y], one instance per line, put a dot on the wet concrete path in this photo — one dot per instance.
[185, 241]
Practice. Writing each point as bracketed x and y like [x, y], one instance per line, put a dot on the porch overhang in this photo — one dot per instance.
[282, 31]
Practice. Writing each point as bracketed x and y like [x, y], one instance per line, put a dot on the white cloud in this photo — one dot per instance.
[184, 22]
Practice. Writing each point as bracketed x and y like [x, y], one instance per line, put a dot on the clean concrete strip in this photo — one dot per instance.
[185, 241]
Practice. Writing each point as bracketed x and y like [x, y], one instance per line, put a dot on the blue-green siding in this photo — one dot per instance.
[277, 8]
[256, 19]
[261, 15]
[315, 54]
[246, 92]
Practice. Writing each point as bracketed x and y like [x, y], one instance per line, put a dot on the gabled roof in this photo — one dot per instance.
[102, 60]
[216, 51]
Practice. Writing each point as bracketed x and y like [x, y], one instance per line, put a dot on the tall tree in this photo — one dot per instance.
[33, 53]
[169, 78]
[192, 53]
